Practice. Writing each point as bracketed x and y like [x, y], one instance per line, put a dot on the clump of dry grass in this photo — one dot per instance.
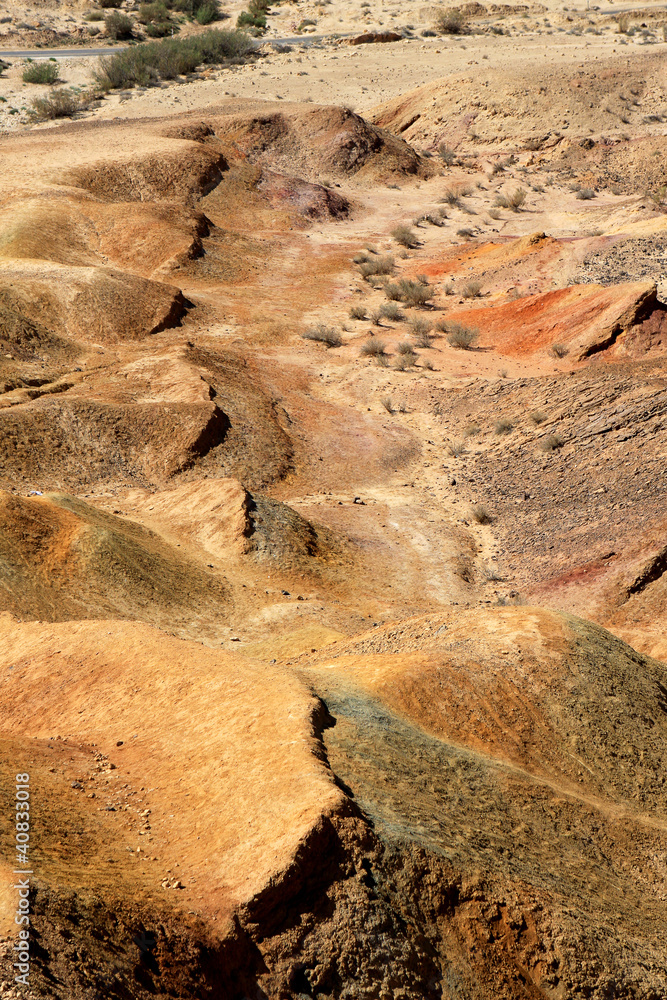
[480, 514]
[391, 311]
[472, 289]
[559, 350]
[503, 426]
[323, 335]
[514, 200]
[372, 347]
[358, 312]
[461, 337]
[405, 236]
[374, 266]
[538, 417]
[58, 104]
[450, 22]
[551, 443]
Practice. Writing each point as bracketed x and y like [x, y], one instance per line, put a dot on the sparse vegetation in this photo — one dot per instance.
[58, 104]
[172, 57]
[414, 293]
[480, 514]
[40, 72]
[387, 403]
[514, 200]
[472, 290]
[585, 194]
[451, 197]
[324, 335]
[391, 311]
[447, 155]
[559, 350]
[358, 312]
[405, 348]
[494, 213]
[372, 347]
[374, 266]
[465, 233]
[450, 22]
[503, 426]
[461, 337]
[119, 26]
[538, 417]
[551, 443]
[404, 235]
[255, 16]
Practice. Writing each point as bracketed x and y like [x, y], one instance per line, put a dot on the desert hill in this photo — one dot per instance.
[332, 512]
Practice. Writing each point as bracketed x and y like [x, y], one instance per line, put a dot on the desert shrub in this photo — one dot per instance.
[107, 4]
[404, 361]
[118, 26]
[374, 266]
[414, 293]
[514, 200]
[94, 15]
[481, 514]
[503, 426]
[465, 233]
[585, 194]
[472, 430]
[382, 361]
[387, 403]
[58, 104]
[324, 335]
[472, 290]
[538, 416]
[419, 327]
[405, 348]
[559, 350]
[40, 72]
[446, 154]
[376, 316]
[171, 57]
[450, 22]
[357, 312]
[391, 311]
[248, 20]
[404, 236]
[208, 12]
[372, 348]
[551, 442]
[623, 21]
[451, 197]
[393, 291]
[494, 213]
[456, 448]
[461, 337]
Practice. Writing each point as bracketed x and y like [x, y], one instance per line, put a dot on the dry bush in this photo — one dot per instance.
[393, 291]
[551, 443]
[58, 104]
[456, 448]
[389, 310]
[387, 403]
[503, 426]
[41, 72]
[446, 154]
[414, 293]
[372, 347]
[405, 348]
[357, 312]
[538, 417]
[450, 22]
[480, 514]
[472, 430]
[404, 361]
[559, 350]
[585, 194]
[451, 197]
[404, 235]
[495, 214]
[465, 233]
[373, 266]
[514, 200]
[461, 337]
[472, 290]
[323, 335]
[382, 361]
[118, 26]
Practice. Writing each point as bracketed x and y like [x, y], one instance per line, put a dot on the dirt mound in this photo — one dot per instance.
[319, 142]
[522, 724]
[490, 109]
[178, 174]
[312, 200]
[89, 304]
[64, 559]
[585, 319]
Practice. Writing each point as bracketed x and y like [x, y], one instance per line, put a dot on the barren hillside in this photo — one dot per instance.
[333, 423]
